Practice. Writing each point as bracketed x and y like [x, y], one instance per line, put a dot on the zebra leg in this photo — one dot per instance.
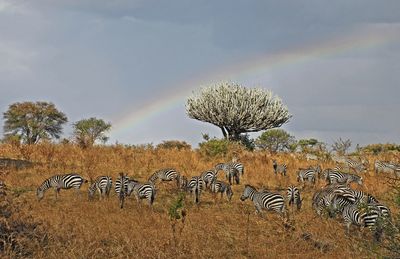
[237, 178]
[57, 192]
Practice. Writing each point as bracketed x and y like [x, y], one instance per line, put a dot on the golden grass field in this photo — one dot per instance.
[73, 227]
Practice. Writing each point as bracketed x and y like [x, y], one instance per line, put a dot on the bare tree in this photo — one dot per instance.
[236, 109]
[341, 146]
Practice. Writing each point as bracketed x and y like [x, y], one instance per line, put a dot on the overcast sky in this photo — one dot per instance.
[107, 59]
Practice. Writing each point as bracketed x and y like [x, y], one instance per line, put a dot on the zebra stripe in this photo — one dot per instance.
[226, 167]
[352, 165]
[267, 200]
[386, 167]
[279, 168]
[167, 174]
[58, 182]
[293, 196]
[221, 187]
[336, 177]
[121, 188]
[195, 186]
[102, 184]
[142, 191]
[208, 176]
[323, 199]
[364, 217]
[306, 175]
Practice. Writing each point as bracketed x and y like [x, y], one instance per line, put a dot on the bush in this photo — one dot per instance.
[174, 144]
[219, 148]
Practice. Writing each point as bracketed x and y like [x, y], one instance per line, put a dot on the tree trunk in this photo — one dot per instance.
[224, 132]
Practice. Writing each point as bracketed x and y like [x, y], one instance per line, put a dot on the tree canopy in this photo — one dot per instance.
[88, 131]
[276, 140]
[236, 109]
[32, 121]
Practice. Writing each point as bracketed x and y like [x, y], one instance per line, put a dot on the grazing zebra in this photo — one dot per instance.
[221, 187]
[227, 166]
[324, 198]
[267, 200]
[306, 175]
[279, 168]
[355, 166]
[208, 176]
[293, 196]
[364, 217]
[167, 174]
[142, 191]
[386, 167]
[58, 182]
[102, 184]
[334, 176]
[195, 186]
[121, 188]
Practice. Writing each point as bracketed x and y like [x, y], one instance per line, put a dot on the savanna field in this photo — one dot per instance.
[74, 227]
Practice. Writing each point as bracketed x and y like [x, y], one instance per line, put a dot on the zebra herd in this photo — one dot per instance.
[337, 197]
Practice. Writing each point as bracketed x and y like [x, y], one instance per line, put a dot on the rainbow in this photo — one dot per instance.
[359, 41]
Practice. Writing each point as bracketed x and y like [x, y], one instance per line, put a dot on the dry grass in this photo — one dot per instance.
[77, 228]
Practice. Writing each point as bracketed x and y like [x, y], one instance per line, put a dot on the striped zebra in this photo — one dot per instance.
[102, 184]
[309, 175]
[208, 176]
[352, 165]
[232, 171]
[261, 200]
[167, 174]
[334, 176]
[121, 188]
[58, 182]
[293, 196]
[142, 191]
[386, 167]
[195, 186]
[324, 199]
[221, 187]
[366, 216]
[279, 168]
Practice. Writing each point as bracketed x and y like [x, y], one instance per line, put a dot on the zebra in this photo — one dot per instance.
[353, 165]
[102, 184]
[306, 174]
[142, 191]
[293, 196]
[195, 186]
[324, 199]
[221, 187]
[121, 188]
[232, 171]
[334, 176]
[167, 174]
[267, 200]
[279, 168]
[58, 182]
[386, 167]
[208, 176]
[366, 216]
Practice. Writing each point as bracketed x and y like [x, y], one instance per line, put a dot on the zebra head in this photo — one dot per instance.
[248, 190]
